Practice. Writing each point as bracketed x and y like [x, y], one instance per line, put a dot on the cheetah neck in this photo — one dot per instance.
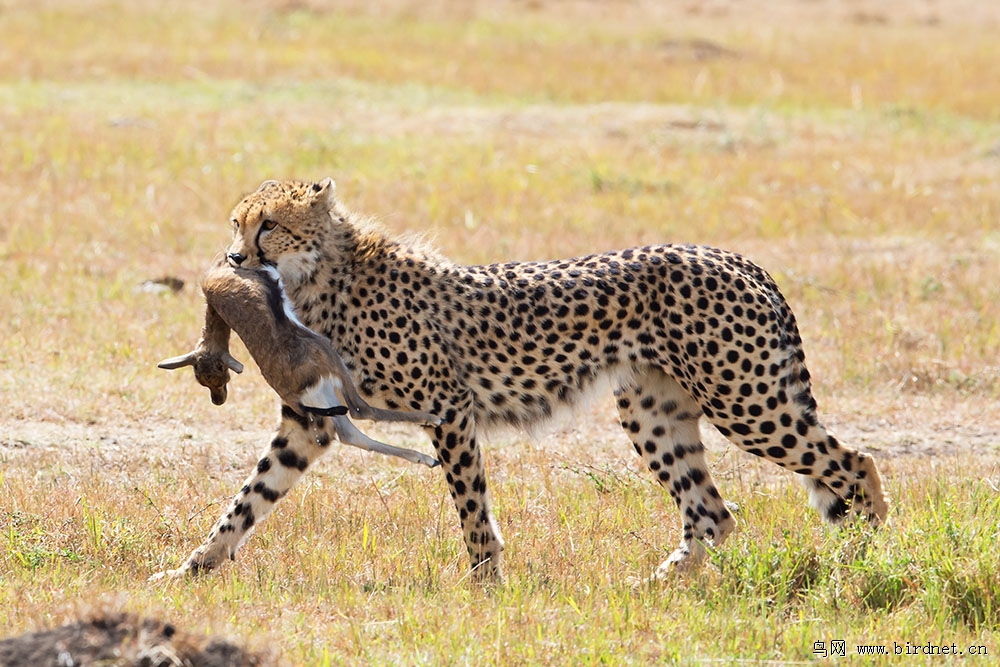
[352, 248]
[338, 244]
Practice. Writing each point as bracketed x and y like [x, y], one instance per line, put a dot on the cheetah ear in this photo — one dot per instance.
[324, 192]
[267, 184]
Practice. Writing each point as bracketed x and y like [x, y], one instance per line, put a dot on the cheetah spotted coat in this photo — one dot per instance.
[681, 331]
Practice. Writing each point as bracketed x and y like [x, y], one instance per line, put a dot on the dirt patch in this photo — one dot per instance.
[118, 640]
[904, 426]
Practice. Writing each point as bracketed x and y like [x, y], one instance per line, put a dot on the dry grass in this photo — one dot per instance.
[853, 151]
[362, 565]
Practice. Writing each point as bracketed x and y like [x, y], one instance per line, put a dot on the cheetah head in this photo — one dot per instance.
[282, 225]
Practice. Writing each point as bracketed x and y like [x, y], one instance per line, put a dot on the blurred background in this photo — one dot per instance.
[851, 147]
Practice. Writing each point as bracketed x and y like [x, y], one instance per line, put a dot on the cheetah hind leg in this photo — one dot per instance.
[865, 495]
[661, 419]
[789, 435]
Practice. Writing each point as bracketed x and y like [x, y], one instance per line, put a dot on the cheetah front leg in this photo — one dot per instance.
[462, 461]
[298, 442]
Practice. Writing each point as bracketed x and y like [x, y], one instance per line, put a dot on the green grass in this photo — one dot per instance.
[858, 163]
[361, 564]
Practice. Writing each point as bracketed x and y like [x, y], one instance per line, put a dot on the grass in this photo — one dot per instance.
[854, 156]
[362, 565]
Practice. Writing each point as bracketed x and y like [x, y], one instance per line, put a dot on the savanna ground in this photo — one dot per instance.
[852, 148]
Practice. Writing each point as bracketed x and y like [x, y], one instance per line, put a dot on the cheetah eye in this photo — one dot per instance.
[268, 224]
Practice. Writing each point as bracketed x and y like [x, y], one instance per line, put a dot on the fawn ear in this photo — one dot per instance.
[324, 192]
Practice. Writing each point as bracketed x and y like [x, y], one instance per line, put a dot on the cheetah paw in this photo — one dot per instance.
[683, 560]
[179, 573]
[190, 568]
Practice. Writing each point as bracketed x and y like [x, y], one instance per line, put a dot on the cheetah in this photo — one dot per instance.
[681, 331]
